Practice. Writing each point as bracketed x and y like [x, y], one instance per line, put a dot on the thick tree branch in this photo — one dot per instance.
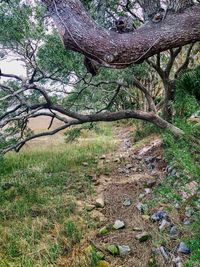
[82, 34]
[108, 116]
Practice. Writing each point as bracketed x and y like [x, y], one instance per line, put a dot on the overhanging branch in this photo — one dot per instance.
[111, 49]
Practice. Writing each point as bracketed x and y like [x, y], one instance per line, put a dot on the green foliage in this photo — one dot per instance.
[187, 93]
[17, 23]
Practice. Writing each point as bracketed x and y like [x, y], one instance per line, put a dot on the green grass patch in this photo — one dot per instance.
[39, 218]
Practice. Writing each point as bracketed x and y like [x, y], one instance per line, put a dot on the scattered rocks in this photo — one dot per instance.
[124, 250]
[147, 149]
[113, 250]
[159, 215]
[183, 248]
[141, 196]
[150, 183]
[129, 166]
[90, 207]
[173, 231]
[103, 263]
[177, 206]
[104, 230]
[98, 216]
[164, 224]
[142, 207]
[146, 217]
[189, 212]
[164, 253]
[118, 225]
[143, 237]
[127, 202]
[99, 203]
[147, 190]
[190, 189]
[100, 255]
[186, 221]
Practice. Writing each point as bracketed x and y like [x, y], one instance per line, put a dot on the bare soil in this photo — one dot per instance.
[127, 180]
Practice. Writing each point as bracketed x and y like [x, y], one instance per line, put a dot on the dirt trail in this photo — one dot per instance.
[128, 179]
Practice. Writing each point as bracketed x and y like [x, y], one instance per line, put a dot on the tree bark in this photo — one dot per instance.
[80, 33]
[168, 98]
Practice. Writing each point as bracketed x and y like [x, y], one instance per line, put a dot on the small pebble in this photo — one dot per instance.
[183, 248]
[124, 250]
[147, 190]
[164, 253]
[127, 202]
[118, 225]
[173, 231]
[164, 224]
[159, 215]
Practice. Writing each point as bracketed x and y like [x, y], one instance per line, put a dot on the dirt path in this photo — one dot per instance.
[129, 177]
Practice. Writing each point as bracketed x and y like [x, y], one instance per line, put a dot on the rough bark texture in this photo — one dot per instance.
[178, 5]
[111, 49]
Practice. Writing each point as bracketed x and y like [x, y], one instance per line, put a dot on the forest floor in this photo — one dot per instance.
[67, 198]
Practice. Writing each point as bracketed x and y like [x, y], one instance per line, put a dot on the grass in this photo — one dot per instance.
[40, 223]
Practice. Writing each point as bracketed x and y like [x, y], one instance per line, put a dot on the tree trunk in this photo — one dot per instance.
[168, 98]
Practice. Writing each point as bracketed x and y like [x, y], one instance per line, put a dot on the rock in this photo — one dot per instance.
[146, 217]
[147, 190]
[129, 166]
[117, 160]
[189, 212]
[90, 207]
[103, 264]
[103, 157]
[99, 203]
[143, 237]
[173, 173]
[98, 216]
[85, 164]
[142, 207]
[150, 183]
[177, 262]
[169, 169]
[164, 224]
[177, 205]
[124, 250]
[118, 225]
[104, 230]
[100, 255]
[183, 248]
[89, 250]
[173, 231]
[164, 253]
[186, 221]
[159, 215]
[141, 196]
[149, 159]
[113, 250]
[127, 202]
[190, 190]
